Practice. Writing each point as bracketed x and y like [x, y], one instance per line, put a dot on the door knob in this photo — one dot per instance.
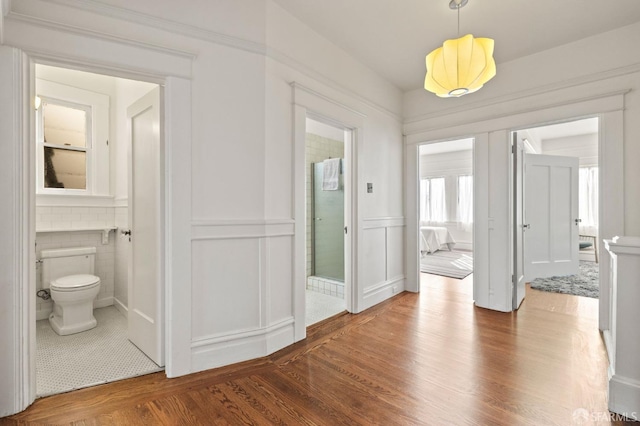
[126, 232]
[578, 221]
[526, 226]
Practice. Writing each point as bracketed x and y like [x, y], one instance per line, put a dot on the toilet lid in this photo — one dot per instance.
[71, 282]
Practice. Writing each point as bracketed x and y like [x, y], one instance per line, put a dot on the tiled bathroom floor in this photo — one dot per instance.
[321, 306]
[96, 356]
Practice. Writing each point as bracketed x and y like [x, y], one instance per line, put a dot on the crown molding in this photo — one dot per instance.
[102, 9]
[540, 90]
[96, 7]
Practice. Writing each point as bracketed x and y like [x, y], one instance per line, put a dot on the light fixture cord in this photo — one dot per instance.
[458, 8]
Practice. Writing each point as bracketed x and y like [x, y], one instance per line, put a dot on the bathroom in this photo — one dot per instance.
[325, 245]
[82, 202]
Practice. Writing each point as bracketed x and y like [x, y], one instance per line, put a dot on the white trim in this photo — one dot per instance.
[383, 222]
[70, 29]
[193, 32]
[121, 307]
[624, 396]
[223, 349]
[309, 103]
[540, 90]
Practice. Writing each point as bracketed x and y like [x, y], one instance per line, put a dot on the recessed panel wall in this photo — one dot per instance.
[226, 291]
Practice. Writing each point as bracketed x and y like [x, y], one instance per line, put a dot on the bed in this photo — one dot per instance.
[434, 238]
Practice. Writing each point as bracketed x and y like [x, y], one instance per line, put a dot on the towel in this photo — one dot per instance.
[331, 174]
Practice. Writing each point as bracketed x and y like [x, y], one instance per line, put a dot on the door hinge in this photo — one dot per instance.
[107, 142]
[513, 149]
[345, 229]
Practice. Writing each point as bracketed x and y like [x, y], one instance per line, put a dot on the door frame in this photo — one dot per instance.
[311, 104]
[610, 212]
[413, 285]
[528, 112]
[176, 119]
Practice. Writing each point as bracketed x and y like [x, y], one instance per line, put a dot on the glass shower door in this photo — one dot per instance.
[328, 228]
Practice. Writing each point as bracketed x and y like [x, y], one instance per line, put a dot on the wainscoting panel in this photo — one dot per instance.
[374, 252]
[226, 286]
[242, 294]
[279, 293]
[383, 256]
[395, 252]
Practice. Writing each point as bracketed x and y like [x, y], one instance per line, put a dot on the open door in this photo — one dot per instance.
[146, 302]
[551, 206]
[518, 221]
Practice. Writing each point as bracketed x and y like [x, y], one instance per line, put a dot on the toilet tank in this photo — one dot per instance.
[58, 263]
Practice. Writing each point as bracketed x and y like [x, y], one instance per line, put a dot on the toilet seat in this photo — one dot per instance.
[75, 282]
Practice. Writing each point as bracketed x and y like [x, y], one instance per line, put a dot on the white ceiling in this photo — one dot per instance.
[393, 36]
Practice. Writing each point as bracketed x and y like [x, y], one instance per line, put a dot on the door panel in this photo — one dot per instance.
[146, 312]
[551, 208]
[518, 222]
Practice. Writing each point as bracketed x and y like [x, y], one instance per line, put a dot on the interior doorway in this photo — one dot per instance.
[326, 217]
[446, 200]
[83, 201]
[565, 158]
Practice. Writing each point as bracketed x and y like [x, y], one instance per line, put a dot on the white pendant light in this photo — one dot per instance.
[460, 66]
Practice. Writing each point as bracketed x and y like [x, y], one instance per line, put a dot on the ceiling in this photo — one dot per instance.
[393, 37]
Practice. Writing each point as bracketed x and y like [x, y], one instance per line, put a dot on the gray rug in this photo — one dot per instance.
[586, 283]
[453, 264]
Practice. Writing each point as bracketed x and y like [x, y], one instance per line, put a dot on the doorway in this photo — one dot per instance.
[446, 200]
[560, 251]
[86, 202]
[325, 220]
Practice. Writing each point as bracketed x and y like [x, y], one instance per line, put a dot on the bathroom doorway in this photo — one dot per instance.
[83, 199]
[325, 213]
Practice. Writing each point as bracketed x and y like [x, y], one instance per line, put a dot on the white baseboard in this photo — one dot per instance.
[103, 303]
[217, 351]
[121, 307]
[624, 397]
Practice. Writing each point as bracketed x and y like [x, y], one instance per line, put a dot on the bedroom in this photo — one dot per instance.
[446, 208]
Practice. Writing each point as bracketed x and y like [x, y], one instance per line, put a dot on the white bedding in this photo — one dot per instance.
[434, 238]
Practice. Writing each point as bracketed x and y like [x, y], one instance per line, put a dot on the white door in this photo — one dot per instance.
[146, 313]
[551, 211]
[518, 222]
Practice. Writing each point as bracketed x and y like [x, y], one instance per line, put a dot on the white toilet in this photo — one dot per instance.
[68, 274]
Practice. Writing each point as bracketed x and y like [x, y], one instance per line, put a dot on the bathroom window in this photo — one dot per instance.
[64, 147]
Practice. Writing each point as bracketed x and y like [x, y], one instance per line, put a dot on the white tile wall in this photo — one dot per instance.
[55, 217]
[326, 286]
[317, 149]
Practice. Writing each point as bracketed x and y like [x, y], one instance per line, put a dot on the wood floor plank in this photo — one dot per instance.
[430, 358]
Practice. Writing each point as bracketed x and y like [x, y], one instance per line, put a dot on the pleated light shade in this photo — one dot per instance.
[460, 66]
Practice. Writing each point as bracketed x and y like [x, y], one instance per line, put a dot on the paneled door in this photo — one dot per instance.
[551, 212]
[146, 313]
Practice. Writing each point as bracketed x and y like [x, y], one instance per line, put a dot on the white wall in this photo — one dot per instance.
[236, 292]
[585, 147]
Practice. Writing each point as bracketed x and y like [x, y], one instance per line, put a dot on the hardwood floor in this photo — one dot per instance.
[429, 358]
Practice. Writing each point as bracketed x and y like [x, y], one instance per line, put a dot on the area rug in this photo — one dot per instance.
[453, 264]
[585, 283]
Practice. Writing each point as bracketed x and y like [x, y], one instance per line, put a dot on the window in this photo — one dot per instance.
[64, 136]
[465, 200]
[72, 143]
[588, 197]
[433, 203]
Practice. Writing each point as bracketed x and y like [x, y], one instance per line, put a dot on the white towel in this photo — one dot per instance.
[331, 174]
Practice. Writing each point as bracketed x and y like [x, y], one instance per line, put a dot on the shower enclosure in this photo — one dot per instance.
[327, 230]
